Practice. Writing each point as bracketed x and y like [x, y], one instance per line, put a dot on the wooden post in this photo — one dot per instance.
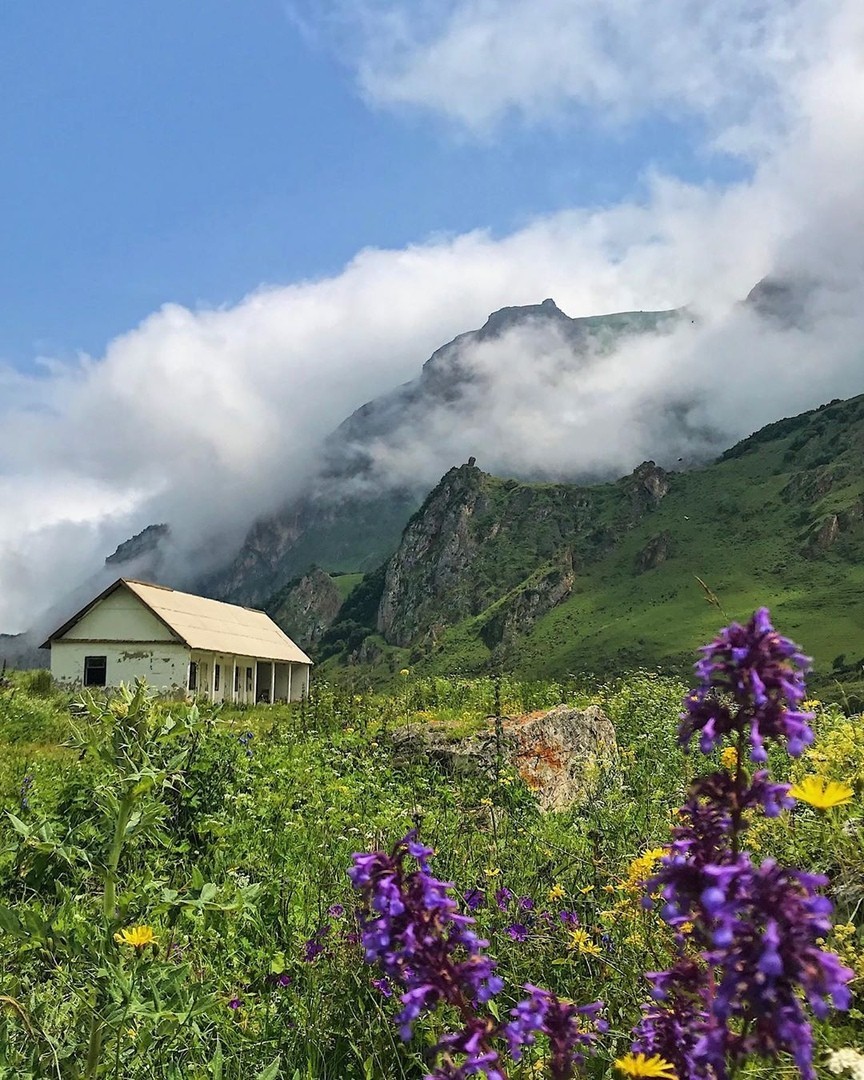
[272, 681]
[213, 678]
[234, 682]
[307, 680]
[290, 669]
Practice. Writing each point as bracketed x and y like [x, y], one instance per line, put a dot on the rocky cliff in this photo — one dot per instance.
[306, 607]
[552, 578]
[503, 551]
[353, 513]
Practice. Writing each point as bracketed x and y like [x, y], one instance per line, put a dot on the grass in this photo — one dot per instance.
[239, 827]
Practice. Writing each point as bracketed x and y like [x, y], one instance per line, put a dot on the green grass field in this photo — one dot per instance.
[229, 834]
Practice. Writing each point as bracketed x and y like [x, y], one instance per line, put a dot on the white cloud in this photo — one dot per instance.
[479, 61]
[209, 418]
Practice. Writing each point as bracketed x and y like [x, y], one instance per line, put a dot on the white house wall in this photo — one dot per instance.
[165, 666]
[121, 616]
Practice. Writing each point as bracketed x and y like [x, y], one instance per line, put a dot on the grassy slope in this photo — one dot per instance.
[738, 526]
[346, 583]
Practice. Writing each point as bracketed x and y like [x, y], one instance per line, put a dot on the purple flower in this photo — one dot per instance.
[758, 928]
[503, 896]
[474, 898]
[415, 933]
[336, 911]
[517, 931]
[569, 918]
[677, 1021]
[235, 1003]
[562, 1022]
[763, 674]
[312, 948]
[526, 903]
[383, 987]
[413, 930]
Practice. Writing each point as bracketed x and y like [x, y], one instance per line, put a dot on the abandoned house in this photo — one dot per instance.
[178, 642]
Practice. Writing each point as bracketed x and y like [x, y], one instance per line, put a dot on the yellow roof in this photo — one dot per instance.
[209, 625]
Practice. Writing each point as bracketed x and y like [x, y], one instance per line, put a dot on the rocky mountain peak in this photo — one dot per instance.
[506, 318]
[145, 542]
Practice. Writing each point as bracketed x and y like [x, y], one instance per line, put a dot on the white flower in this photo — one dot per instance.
[847, 1060]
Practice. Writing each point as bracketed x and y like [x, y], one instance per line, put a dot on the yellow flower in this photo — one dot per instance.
[556, 892]
[641, 868]
[405, 671]
[821, 793]
[139, 937]
[729, 758]
[640, 1065]
[580, 940]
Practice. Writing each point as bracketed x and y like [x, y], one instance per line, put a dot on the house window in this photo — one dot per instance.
[217, 676]
[236, 680]
[193, 676]
[250, 685]
[95, 670]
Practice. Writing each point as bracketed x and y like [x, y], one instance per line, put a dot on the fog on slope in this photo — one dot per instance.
[209, 419]
[533, 408]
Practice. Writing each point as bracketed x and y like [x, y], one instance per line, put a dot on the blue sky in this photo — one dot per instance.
[226, 224]
[168, 150]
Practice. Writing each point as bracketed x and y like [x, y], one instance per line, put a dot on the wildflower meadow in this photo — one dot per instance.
[274, 892]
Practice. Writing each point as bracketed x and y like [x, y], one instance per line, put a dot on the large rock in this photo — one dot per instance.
[555, 752]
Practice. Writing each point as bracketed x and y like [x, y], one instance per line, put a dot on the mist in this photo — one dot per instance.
[209, 419]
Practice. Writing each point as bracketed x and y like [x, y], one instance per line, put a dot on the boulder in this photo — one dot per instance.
[556, 752]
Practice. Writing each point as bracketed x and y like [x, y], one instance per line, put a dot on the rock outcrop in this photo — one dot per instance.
[559, 754]
[654, 554]
[516, 614]
[307, 607]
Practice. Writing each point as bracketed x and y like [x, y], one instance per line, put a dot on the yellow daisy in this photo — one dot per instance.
[137, 936]
[640, 1065]
[556, 892]
[821, 793]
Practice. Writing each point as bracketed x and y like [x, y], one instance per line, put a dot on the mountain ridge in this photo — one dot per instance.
[777, 519]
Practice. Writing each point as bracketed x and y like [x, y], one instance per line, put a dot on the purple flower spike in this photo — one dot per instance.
[413, 930]
[763, 674]
[416, 934]
[562, 1022]
[757, 929]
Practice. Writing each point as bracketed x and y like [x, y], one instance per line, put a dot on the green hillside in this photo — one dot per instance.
[778, 520]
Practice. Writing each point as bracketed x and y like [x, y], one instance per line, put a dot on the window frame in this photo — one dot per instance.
[88, 666]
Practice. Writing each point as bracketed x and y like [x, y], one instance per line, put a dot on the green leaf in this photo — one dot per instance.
[216, 1063]
[18, 825]
[271, 1072]
[209, 891]
[9, 921]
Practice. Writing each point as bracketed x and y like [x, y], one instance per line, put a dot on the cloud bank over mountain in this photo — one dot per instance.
[209, 418]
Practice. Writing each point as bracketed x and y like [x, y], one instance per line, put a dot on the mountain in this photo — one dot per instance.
[548, 579]
[353, 513]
